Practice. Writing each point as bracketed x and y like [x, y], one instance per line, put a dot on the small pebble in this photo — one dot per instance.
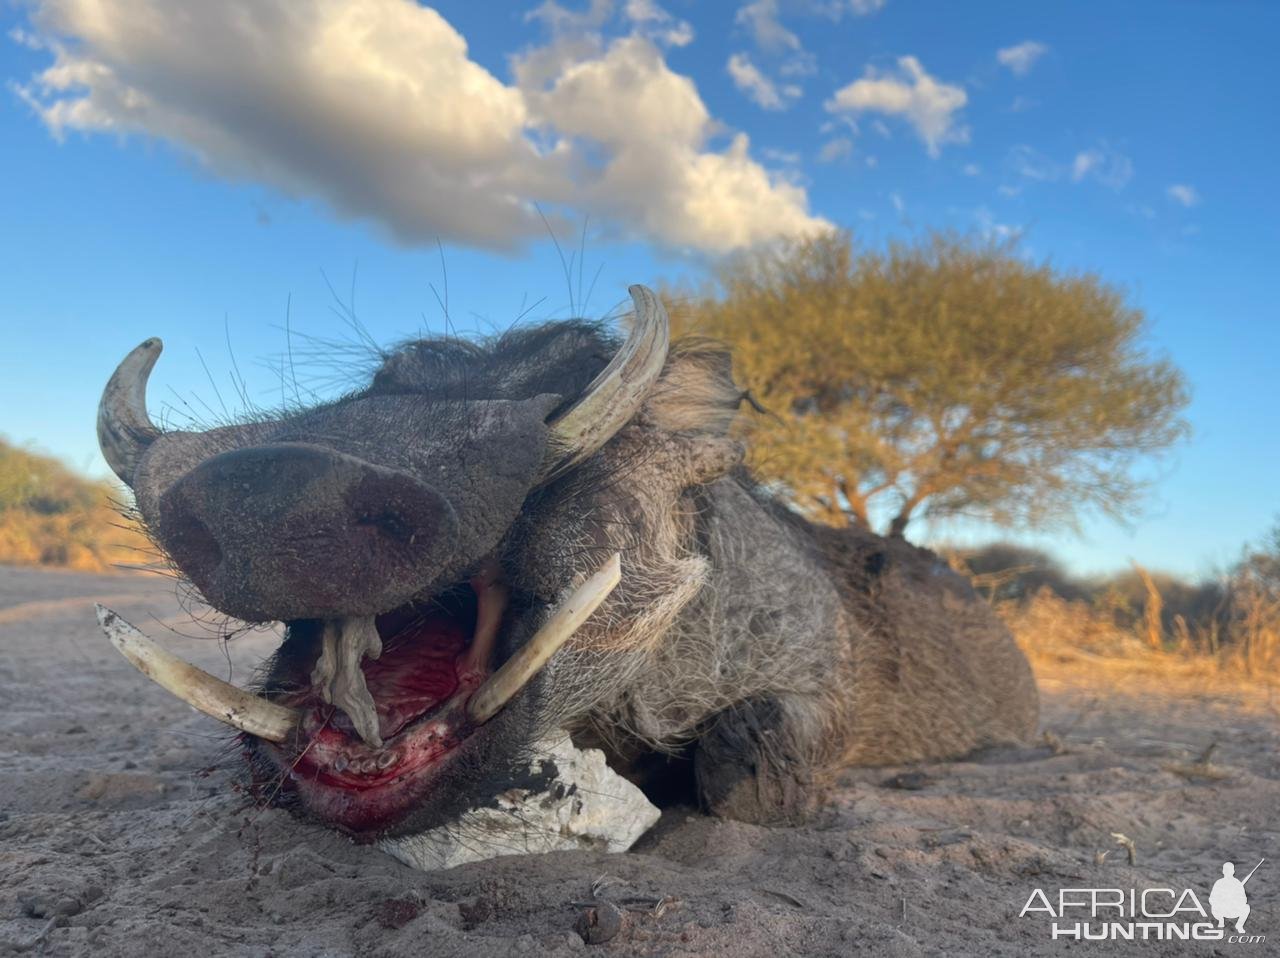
[600, 923]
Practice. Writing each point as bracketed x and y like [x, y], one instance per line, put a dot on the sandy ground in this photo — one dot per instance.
[121, 833]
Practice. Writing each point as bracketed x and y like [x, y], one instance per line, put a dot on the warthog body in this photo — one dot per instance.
[755, 649]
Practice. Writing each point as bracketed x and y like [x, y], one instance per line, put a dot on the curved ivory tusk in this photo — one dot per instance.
[617, 393]
[516, 672]
[199, 689]
[124, 428]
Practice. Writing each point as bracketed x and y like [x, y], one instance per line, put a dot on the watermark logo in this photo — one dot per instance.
[1148, 914]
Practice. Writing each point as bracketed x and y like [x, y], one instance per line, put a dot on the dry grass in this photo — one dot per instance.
[50, 516]
[1243, 643]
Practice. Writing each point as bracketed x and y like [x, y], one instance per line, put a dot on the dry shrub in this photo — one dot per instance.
[1254, 643]
[50, 516]
[1047, 625]
[1245, 639]
[1228, 626]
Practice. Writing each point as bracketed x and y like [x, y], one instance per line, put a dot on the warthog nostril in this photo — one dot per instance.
[192, 545]
[294, 530]
[396, 508]
[391, 524]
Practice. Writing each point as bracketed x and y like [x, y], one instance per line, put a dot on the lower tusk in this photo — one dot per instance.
[516, 672]
[212, 696]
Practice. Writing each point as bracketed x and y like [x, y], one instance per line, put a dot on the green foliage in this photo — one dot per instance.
[944, 377]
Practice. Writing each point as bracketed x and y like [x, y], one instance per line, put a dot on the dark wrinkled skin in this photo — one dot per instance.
[768, 651]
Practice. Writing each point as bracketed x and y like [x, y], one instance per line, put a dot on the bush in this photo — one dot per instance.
[1232, 622]
[51, 516]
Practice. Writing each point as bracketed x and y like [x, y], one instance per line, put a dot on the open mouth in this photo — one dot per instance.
[360, 724]
[371, 741]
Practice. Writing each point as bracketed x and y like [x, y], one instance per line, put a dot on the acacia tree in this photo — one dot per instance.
[948, 376]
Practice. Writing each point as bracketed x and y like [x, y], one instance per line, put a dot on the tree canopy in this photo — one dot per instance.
[946, 376]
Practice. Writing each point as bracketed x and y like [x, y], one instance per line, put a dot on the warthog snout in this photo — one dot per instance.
[277, 530]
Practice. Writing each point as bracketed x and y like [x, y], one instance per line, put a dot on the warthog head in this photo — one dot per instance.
[549, 530]
[413, 537]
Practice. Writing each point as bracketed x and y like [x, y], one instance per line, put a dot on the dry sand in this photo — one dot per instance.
[121, 833]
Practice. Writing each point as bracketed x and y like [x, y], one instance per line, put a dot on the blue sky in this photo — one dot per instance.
[200, 174]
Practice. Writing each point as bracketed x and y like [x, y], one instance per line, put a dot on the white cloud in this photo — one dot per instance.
[1184, 194]
[375, 107]
[645, 18]
[1084, 162]
[25, 38]
[653, 125]
[1021, 57]
[560, 19]
[799, 64]
[928, 105]
[897, 201]
[841, 148]
[992, 229]
[1031, 164]
[655, 23]
[759, 88]
[861, 8]
[776, 42]
[785, 157]
[761, 19]
[1103, 164]
[972, 169]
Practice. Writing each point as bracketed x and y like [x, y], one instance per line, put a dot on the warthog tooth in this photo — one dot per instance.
[338, 675]
[516, 672]
[491, 603]
[202, 691]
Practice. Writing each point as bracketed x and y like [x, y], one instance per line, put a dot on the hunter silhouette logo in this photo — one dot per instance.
[1148, 914]
[1228, 898]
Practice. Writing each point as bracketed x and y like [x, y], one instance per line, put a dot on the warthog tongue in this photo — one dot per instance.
[338, 676]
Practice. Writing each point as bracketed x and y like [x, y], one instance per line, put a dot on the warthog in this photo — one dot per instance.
[442, 547]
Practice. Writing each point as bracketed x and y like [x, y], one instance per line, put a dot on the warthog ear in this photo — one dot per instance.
[696, 393]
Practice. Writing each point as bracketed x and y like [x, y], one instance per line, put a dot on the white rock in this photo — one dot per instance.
[588, 805]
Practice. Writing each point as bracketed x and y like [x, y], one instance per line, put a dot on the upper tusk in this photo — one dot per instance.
[212, 696]
[339, 676]
[516, 672]
[124, 428]
[617, 394]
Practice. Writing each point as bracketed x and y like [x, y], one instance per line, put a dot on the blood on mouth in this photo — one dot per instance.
[430, 688]
[431, 662]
